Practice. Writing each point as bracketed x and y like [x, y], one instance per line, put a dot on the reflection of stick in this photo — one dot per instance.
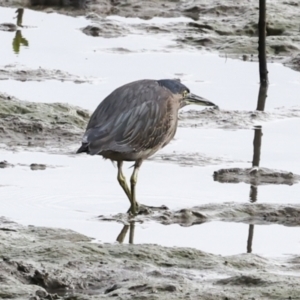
[256, 147]
[262, 95]
[250, 238]
[253, 189]
[253, 193]
[261, 101]
[122, 234]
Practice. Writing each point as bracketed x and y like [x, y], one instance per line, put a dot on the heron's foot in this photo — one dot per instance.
[133, 209]
[142, 209]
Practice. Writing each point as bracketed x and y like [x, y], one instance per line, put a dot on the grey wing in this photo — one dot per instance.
[131, 119]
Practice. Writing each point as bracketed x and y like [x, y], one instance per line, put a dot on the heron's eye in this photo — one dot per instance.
[185, 93]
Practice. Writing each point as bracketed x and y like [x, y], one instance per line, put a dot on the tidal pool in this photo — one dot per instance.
[74, 190]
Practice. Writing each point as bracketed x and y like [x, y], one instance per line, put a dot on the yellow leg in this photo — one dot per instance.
[133, 181]
[122, 181]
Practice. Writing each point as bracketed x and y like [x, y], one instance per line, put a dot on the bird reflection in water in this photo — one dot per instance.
[123, 233]
[19, 39]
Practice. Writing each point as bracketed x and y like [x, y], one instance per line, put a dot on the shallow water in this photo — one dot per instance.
[232, 84]
[75, 190]
[78, 189]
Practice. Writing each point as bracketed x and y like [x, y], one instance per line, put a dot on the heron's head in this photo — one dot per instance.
[183, 93]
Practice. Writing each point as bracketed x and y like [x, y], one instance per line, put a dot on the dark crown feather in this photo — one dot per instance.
[175, 86]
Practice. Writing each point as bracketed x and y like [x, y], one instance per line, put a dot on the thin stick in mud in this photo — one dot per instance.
[263, 72]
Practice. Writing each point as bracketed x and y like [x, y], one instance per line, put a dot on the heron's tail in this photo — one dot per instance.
[83, 148]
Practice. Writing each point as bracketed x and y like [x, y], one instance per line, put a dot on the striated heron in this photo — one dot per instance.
[134, 122]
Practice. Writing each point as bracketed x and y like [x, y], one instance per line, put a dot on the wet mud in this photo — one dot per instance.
[249, 213]
[45, 263]
[227, 28]
[106, 30]
[255, 176]
[33, 166]
[4, 164]
[235, 119]
[8, 27]
[21, 73]
[293, 62]
[190, 159]
[29, 124]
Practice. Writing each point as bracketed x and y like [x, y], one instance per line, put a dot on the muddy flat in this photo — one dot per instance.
[222, 215]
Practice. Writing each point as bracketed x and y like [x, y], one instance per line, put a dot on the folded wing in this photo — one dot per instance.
[133, 118]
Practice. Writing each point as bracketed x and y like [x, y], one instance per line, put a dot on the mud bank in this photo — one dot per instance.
[234, 119]
[228, 28]
[190, 159]
[31, 124]
[253, 213]
[33, 166]
[62, 264]
[255, 176]
[21, 73]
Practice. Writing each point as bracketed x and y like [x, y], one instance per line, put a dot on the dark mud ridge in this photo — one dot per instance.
[255, 176]
[22, 73]
[45, 263]
[31, 124]
[254, 213]
[33, 166]
[190, 159]
[234, 119]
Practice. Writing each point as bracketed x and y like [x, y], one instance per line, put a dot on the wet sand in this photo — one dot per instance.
[227, 167]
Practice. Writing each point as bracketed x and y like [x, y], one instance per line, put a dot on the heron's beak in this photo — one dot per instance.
[194, 99]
